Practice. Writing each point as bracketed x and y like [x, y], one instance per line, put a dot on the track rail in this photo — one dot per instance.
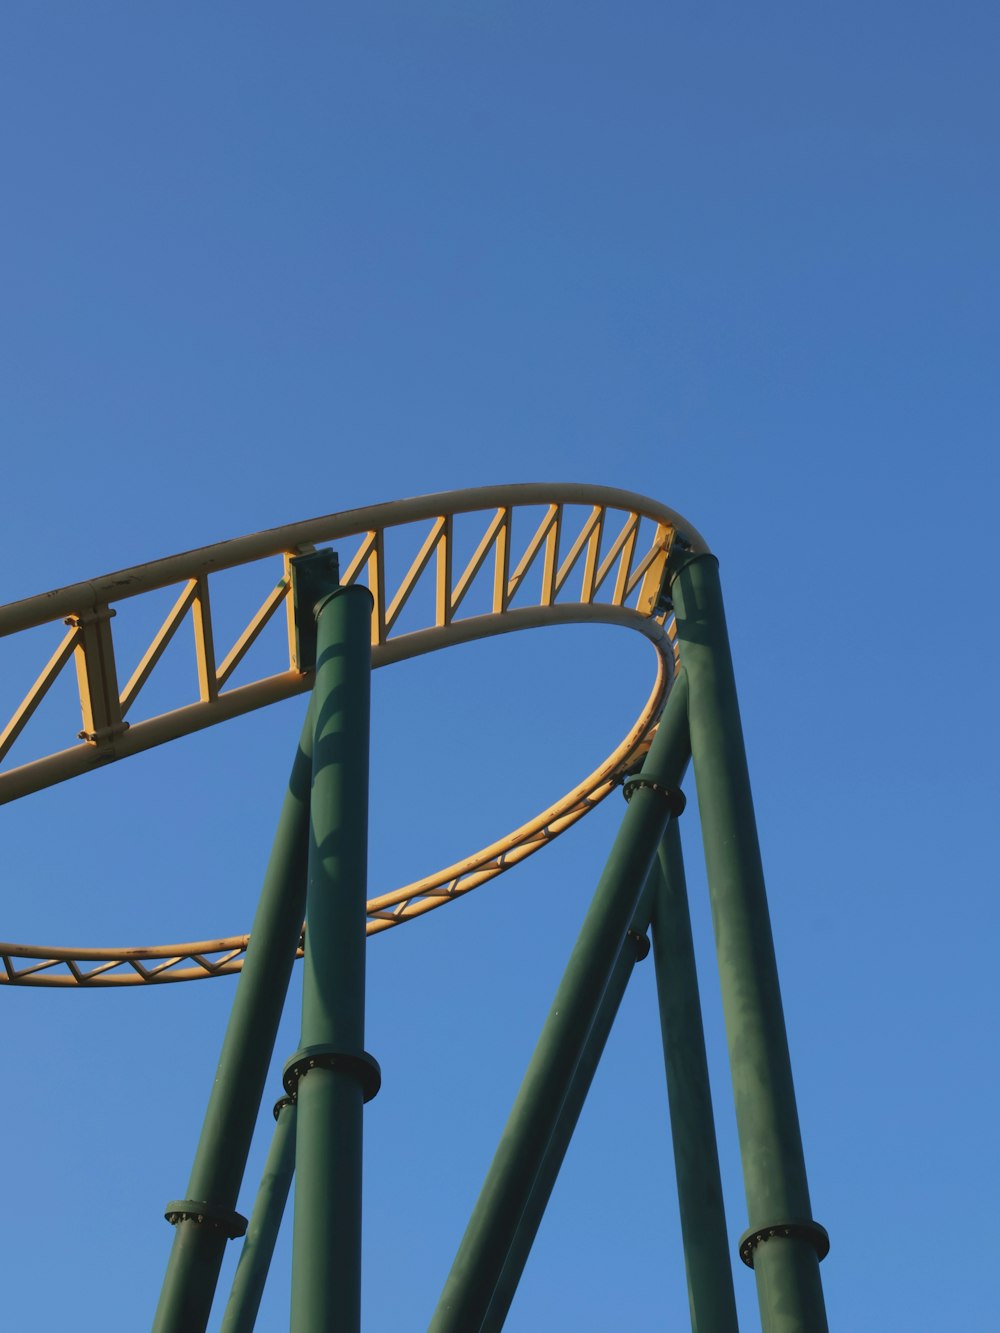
[541, 555]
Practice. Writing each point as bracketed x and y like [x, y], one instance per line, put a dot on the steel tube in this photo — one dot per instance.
[265, 1222]
[326, 1263]
[692, 1124]
[786, 1266]
[220, 1159]
[488, 1238]
[562, 1133]
[569, 1114]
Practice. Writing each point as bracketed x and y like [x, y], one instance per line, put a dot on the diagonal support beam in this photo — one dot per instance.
[633, 950]
[205, 1220]
[265, 1222]
[490, 1234]
[692, 1123]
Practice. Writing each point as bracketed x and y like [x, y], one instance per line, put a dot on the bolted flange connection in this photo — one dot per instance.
[808, 1230]
[674, 797]
[359, 1064]
[281, 1103]
[210, 1215]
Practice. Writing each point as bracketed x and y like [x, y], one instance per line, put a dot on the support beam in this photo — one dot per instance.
[208, 1217]
[634, 949]
[265, 1222]
[488, 1238]
[331, 1075]
[692, 1124]
[784, 1244]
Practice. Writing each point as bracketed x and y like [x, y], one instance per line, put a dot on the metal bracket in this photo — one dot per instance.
[678, 556]
[97, 676]
[674, 797]
[359, 1064]
[104, 734]
[807, 1230]
[211, 1215]
[314, 577]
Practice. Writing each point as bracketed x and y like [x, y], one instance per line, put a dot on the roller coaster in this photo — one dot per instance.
[355, 591]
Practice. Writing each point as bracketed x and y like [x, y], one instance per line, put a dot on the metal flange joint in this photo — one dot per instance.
[364, 1068]
[211, 1215]
[805, 1229]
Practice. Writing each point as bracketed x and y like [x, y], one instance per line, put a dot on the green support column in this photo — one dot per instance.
[488, 1238]
[207, 1218]
[331, 1074]
[265, 1222]
[783, 1244]
[692, 1124]
[632, 951]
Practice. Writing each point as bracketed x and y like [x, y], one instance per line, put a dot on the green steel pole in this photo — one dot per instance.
[331, 1074]
[692, 1124]
[783, 1243]
[478, 1264]
[265, 1222]
[206, 1219]
[632, 951]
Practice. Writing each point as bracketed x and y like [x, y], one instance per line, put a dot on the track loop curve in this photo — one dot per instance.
[488, 561]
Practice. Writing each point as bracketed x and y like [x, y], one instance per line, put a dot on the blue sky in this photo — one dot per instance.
[258, 266]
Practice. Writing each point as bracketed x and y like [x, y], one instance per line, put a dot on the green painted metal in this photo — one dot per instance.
[326, 1263]
[787, 1267]
[322, 843]
[265, 1221]
[562, 1133]
[220, 1159]
[692, 1125]
[489, 1236]
[569, 1113]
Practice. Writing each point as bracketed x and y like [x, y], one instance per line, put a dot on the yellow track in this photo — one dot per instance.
[547, 554]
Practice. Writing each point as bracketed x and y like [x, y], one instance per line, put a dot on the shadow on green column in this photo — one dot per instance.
[331, 1074]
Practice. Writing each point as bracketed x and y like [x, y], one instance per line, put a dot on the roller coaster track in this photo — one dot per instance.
[540, 555]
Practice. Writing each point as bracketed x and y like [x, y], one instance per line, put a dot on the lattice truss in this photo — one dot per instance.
[442, 569]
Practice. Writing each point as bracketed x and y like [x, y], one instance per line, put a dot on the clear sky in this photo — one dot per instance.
[259, 265]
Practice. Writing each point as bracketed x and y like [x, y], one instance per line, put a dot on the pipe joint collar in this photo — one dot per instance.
[674, 797]
[801, 1230]
[211, 1215]
[362, 1067]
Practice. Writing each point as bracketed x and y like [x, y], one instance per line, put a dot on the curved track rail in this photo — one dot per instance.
[443, 569]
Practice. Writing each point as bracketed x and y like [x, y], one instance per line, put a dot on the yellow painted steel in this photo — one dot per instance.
[627, 566]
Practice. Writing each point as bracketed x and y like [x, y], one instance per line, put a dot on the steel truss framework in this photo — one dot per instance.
[412, 577]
